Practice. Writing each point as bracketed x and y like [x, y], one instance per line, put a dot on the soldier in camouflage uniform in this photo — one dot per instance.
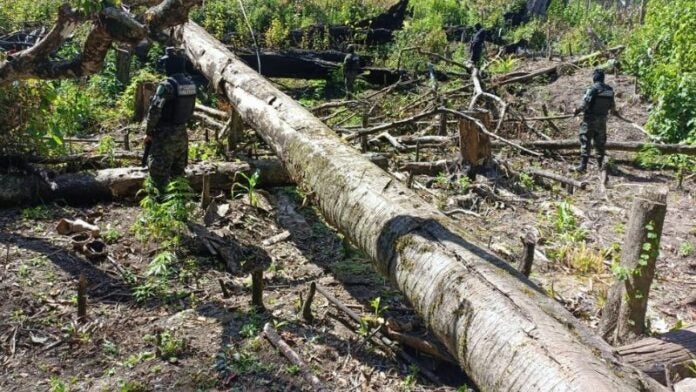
[351, 69]
[170, 109]
[597, 103]
[476, 45]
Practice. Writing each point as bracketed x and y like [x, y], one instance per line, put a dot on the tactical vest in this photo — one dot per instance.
[179, 110]
[352, 63]
[602, 101]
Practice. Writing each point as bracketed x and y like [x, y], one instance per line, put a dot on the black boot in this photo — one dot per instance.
[582, 167]
[600, 161]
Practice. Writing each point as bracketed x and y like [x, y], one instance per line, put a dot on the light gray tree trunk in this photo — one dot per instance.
[502, 329]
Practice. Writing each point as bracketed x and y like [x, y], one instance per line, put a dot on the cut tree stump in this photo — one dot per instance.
[504, 331]
[143, 92]
[623, 316]
[674, 350]
[525, 264]
[474, 146]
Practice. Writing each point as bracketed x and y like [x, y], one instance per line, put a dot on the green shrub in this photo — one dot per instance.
[662, 54]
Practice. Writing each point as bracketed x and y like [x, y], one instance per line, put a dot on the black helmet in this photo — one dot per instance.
[351, 48]
[598, 75]
[173, 61]
[477, 27]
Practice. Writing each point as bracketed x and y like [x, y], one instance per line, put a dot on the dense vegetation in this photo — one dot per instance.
[38, 115]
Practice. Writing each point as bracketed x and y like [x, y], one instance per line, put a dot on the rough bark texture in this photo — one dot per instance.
[674, 350]
[623, 317]
[78, 188]
[502, 329]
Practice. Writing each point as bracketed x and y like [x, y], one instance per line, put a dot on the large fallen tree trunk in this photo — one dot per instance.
[79, 188]
[505, 332]
[614, 146]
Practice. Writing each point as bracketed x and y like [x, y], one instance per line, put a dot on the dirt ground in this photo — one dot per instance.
[217, 340]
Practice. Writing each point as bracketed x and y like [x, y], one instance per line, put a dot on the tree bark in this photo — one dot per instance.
[674, 350]
[475, 303]
[623, 317]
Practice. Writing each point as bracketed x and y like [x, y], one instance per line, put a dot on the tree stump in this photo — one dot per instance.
[123, 65]
[525, 264]
[236, 128]
[623, 317]
[143, 92]
[475, 147]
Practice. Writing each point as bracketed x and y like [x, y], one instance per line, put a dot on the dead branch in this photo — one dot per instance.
[110, 24]
[571, 144]
[273, 337]
[483, 129]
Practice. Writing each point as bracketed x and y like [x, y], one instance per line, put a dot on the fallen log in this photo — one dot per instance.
[570, 183]
[506, 79]
[430, 168]
[107, 184]
[501, 328]
[674, 350]
[572, 144]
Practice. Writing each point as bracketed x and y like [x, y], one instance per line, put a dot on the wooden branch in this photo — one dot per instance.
[275, 339]
[569, 144]
[215, 113]
[418, 344]
[110, 24]
[548, 120]
[483, 129]
[429, 168]
[569, 182]
[394, 124]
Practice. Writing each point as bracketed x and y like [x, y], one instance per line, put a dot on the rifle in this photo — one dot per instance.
[146, 153]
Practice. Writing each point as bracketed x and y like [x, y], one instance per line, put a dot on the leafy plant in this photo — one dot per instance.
[250, 187]
[377, 308]
[164, 221]
[685, 249]
[160, 265]
[111, 234]
[36, 213]
[503, 65]
[107, 147]
[526, 180]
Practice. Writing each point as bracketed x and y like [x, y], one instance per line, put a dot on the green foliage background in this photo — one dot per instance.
[661, 53]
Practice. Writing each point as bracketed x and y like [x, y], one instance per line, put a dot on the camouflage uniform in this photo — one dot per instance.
[170, 109]
[351, 69]
[597, 103]
[476, 45]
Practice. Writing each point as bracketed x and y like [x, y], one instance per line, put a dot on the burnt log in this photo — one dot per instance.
[478, 306]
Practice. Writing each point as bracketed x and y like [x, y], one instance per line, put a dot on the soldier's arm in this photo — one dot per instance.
[165, 92]
[586, 100]
[613, 109]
